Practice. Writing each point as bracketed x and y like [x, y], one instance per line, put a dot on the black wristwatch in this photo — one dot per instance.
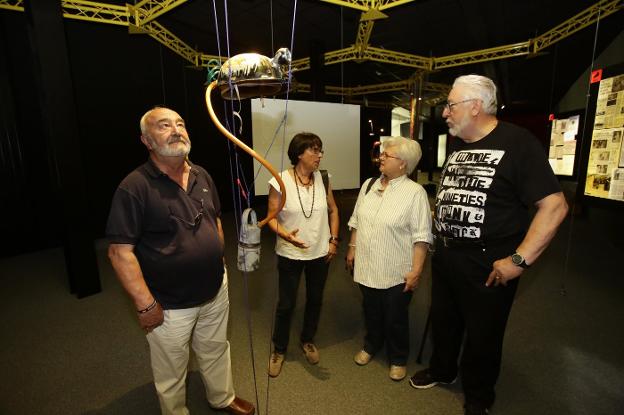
[519, 260]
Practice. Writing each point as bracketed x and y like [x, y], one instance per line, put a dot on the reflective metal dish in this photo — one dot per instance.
[251, 75]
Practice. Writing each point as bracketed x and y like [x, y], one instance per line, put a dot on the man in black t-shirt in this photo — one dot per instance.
[484, 238]
[166, 246]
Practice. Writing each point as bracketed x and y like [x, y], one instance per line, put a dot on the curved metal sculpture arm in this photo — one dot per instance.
[249, 151]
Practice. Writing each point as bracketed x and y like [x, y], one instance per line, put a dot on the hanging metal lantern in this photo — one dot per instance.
[251, 75]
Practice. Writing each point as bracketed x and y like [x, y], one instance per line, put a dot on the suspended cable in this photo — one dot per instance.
[271, 10]
[341, 47]
[184, 83]
[235, 169]
[236, 197]
[217, 33]
[552, 80]
[578, 160]
[162, 76]
[238, 212]
[283, 122]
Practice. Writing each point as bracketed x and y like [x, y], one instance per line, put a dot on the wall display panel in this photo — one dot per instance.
[564, 132]
[338, 126]
[400, 122]
[605, 161]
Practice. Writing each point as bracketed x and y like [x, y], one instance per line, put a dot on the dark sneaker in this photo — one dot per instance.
[311, 353]
[472, 409]
[275, 364]
[424, 380]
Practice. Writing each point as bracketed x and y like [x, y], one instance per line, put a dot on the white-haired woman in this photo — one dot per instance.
[390, 234]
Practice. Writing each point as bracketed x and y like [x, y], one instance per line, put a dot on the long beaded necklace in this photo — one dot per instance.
[299, 194]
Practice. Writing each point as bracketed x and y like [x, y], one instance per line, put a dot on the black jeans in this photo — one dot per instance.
[387, 320]
[461, 303]
[289, 274]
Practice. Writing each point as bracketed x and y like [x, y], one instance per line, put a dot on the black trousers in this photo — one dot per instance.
[387, 320]
[461, 305]
[290, 270]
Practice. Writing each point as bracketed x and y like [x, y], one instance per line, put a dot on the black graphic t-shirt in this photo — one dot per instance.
[487, 186]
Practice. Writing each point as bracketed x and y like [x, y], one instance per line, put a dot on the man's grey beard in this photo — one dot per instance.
[166, 151]
[457, 129]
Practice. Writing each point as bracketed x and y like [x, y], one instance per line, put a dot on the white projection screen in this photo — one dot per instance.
[338, 126]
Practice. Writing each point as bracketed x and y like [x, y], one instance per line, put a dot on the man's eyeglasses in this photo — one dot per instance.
[386, 155]
[449, 105]
[316, 151]
[196, 221]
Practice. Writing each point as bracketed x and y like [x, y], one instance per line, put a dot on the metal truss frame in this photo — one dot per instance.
[405, 103]
[164, 36]
[574, 24]
[483, 55]
[406, 85]
[151, 9]
[365, 28]
[365, 5]
[92, 11]
[398, 58]
[15, 5]
[335, 56]
[140, 18]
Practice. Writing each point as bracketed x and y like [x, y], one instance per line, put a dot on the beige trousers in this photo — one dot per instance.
[205, 329]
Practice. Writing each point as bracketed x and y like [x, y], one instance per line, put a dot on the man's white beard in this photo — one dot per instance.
[166, 151]
[457, 129]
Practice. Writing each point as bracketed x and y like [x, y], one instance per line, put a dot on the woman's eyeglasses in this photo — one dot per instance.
[386, 155]
[316, 151]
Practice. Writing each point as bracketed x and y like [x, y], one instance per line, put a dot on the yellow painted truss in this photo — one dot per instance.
[92, 11]
[405, 103]
[406, 86]
[365, 28]
[398, 58]
[140, 19]
[158, 32]
[335, 56]
[151, 9]
[499, 52]
[580, 21]
[365, 5]
[15, 5]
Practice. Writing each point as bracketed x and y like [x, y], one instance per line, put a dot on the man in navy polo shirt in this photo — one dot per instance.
[166, 246]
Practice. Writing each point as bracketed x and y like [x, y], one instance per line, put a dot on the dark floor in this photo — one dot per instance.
[563, 351]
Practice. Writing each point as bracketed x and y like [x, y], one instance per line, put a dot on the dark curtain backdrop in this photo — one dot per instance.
[28, 201]
[116, 78]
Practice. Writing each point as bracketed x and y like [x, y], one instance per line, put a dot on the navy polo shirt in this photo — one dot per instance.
[174, 233]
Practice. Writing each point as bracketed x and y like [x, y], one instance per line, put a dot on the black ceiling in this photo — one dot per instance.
[422, 27]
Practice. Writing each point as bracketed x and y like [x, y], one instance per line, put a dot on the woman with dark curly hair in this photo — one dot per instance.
[307, 239]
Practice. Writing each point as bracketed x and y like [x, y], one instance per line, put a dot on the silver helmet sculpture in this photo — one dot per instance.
[250, 75]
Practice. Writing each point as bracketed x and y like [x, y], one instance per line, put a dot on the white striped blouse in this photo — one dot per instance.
[389, 222]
